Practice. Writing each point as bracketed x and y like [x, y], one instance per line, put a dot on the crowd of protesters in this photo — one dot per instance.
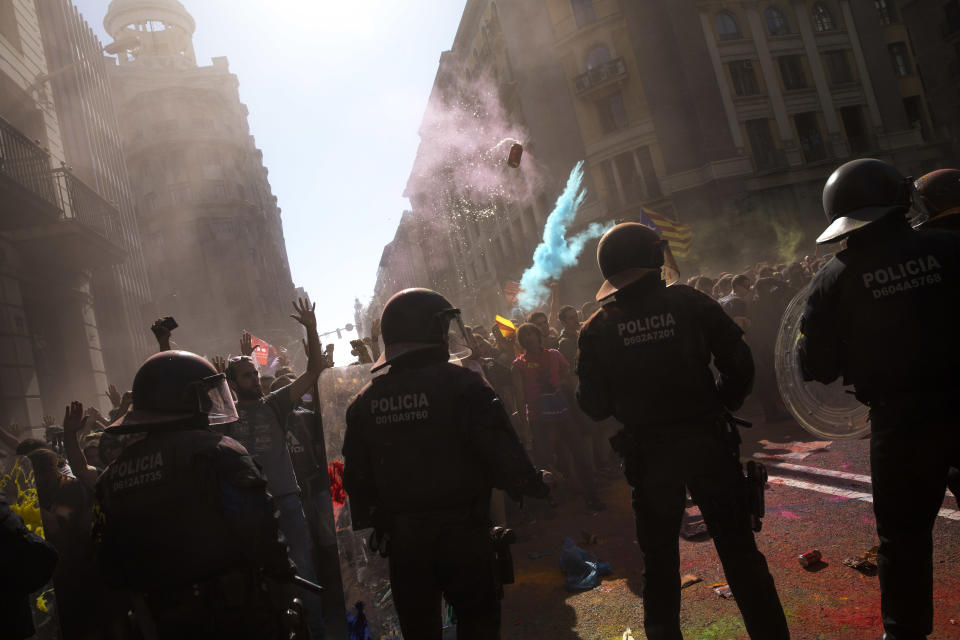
[529, 361]
[277, 425]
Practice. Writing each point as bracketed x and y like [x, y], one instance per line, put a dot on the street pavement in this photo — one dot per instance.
[819, 497]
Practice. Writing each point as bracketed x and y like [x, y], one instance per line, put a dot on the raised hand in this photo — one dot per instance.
[114, 395]
[305, 314]
[125, 402]
[48, 421]
[220, 364]
[73, 418]
[246, 344]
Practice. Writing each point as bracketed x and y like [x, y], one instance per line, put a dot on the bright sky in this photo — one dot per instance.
[336, 91]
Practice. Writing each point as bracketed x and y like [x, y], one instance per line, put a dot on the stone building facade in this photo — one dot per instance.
[210, 226]
[726, 115]
[93, 149]
[55, 233]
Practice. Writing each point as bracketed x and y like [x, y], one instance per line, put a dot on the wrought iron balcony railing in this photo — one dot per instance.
[25, 162]
[79, 202]
[600, 75]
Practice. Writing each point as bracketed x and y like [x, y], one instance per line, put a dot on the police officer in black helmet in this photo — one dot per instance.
[424, 445]
[645, 359]
[183, 519]
[882, 314]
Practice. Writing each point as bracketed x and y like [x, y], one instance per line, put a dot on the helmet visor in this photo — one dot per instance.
[456, 339]
[215, 400]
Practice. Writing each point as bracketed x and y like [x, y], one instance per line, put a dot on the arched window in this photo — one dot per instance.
[727, 28]
[822, 18]
[598, 56]
[777, 24]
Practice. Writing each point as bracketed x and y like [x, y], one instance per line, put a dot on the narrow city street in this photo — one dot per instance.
[818, 497]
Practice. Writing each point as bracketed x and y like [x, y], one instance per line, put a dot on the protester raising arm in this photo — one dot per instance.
[316, 362]
[73, 422]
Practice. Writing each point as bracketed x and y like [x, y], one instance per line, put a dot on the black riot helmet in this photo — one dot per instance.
[861, 192]
[177, 389]
[937, 198]
[417, 319]
[626, 253]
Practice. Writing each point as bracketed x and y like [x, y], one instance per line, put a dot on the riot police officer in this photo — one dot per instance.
[183, 519]
[882, 314]
[937, 200]
[645, 359]
[424, 445]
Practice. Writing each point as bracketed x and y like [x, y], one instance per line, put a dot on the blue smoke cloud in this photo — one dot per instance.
[556, 253]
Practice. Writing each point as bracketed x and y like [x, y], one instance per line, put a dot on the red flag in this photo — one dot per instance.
[263, 351]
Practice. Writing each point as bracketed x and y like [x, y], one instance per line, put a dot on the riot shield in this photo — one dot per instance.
[365, 575]
[827, 411]
[19, 489]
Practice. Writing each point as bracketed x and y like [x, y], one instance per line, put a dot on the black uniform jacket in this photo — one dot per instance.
[645, 358]
[883, 314]
[182, 507]
[429, 436]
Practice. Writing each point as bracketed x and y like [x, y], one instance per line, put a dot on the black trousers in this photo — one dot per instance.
[659, 466]
[429, 558]
[909, 466]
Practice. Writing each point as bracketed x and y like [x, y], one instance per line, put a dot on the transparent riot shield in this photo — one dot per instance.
[827, 411]
[365, 575]
[19, 490]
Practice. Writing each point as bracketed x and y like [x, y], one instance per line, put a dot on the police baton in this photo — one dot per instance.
[306, 584]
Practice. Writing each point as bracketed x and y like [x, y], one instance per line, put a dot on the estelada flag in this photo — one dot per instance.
[677, 234]
[506, 327]
[263, 351]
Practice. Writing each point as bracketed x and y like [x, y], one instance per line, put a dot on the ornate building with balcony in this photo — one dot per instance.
[480, 242]
[210, 226]
[93, 149]
[730, 115]
[56, 232]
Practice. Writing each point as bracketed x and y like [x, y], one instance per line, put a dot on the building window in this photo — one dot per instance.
[743, 78]
[777, 24]
[791, 71]
[631, 182]
[180, 193]
[808, 130]
[649, 173]
[610, 183]
[727, 28]
[8, 24]
[583, 12]
[887, 10]
[900, 58]
[858, 135]
[839, 67]
[598, 56]
[822, 18]
[612, 112]
[761, 144]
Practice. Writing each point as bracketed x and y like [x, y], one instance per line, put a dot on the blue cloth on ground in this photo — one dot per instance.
[582, 568]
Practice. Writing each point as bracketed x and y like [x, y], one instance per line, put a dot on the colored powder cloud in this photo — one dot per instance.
[556, 253]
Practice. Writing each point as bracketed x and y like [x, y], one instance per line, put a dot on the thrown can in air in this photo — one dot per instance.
[516, 152]
[810, 558]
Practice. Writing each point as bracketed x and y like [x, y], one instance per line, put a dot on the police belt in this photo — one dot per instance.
[465, 513]
[228, 590]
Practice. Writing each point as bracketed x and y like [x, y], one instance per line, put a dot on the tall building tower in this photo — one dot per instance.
[93, 150]
[210, 227]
